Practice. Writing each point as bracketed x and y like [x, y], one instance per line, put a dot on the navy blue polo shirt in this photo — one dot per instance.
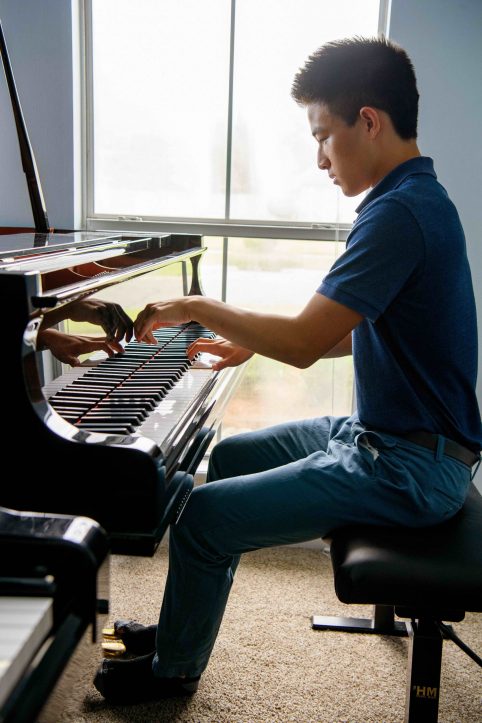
[405, 269]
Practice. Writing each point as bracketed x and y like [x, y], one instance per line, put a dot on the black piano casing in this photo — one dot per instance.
[33, 549]
[116, 483]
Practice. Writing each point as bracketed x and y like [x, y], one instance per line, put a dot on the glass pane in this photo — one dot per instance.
[274, 173]
[161, 75]
[280, 276]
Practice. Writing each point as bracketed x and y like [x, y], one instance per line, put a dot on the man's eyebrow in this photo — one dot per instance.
[318, 129]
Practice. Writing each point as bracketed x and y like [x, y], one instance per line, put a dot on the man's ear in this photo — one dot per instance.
[371, 120]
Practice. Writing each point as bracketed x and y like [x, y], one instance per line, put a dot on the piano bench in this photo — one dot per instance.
[427, 575]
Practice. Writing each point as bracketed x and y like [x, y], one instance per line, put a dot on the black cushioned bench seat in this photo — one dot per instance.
[429, 575]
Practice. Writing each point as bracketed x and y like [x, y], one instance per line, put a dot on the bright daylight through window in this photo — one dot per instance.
[160, 107]
[160, 126]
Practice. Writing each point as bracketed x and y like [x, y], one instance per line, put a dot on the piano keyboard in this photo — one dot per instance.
[25, 622]
[145, 391]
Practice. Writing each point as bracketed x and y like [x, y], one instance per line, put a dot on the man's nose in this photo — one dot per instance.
[322, 161]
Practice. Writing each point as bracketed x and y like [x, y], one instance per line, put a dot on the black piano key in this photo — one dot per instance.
[157, 370]
[105, 374]
[68, 403]
[154, 384]
[124, 411]
[90, 380]
[139, 411]
[149, 380]
[96, 388]
[147, 402]
[136, 356]
[106, 428]
[154, 397]
[153, 366]
[97, 392]
[79, 395]
[155, 377]
[112, 419]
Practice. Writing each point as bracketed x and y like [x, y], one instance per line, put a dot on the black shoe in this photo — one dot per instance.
[139, 639]
[133, 681]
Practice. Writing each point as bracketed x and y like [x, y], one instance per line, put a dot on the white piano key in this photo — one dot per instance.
[177, 401]
[199, 396]
[25, 622]
[168, 412]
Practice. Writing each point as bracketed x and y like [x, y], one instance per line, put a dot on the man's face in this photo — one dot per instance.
[343, 151]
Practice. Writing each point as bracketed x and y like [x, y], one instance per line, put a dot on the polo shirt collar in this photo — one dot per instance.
[420, 164]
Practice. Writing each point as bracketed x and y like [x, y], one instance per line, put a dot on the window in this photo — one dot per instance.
[160, 83]
[170, 141]
[191, 127]
[278, 276]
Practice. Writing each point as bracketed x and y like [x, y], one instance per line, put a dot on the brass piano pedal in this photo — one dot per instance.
[113, 648]
[112, 645]
[109, 633]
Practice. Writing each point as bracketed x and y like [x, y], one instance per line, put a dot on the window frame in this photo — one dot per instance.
[205, 226]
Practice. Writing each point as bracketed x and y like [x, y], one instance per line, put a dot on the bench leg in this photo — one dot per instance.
[423, 679]
[382, 623]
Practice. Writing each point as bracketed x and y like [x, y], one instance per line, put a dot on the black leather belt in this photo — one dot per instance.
[451, 449]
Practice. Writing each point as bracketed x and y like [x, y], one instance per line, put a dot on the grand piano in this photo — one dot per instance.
[117, 439]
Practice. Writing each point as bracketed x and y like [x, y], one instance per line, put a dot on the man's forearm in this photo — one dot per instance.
[297, 340]
[271, 335]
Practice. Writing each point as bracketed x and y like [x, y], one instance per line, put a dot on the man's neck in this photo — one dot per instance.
[398, 153]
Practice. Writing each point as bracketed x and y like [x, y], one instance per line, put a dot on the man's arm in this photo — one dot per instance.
[298, 340]
[343, 348]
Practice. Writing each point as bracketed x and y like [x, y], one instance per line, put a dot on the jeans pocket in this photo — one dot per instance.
[450, 490]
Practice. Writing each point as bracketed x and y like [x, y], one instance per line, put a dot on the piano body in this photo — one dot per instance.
[54, 577]
[117, 439]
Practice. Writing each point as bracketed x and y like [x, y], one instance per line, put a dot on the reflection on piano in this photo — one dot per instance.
[54, 575]
[117, 441]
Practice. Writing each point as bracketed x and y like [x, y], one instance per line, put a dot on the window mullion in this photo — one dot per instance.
[229, 144]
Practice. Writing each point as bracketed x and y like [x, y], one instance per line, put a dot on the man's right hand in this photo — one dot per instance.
[231, 354]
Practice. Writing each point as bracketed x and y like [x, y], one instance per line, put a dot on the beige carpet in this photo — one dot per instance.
[268, 666]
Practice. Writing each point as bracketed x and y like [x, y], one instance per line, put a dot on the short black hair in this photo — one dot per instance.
[355, 72]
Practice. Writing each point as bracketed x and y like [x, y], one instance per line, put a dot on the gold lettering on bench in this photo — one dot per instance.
[425, 691]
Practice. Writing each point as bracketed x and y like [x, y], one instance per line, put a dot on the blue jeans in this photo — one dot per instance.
[289, 483]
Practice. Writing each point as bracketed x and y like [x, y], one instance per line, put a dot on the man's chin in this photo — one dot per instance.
[350, 192]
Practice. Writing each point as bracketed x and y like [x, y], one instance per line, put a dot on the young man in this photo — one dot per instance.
[400, 298]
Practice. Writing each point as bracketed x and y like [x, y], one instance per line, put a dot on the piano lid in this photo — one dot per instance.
[71, 265]
[28, 244]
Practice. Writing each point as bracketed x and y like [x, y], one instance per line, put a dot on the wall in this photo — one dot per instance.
[443, 39]
[38, 34]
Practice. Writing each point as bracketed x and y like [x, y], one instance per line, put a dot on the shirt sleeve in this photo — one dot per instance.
[384, 250]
